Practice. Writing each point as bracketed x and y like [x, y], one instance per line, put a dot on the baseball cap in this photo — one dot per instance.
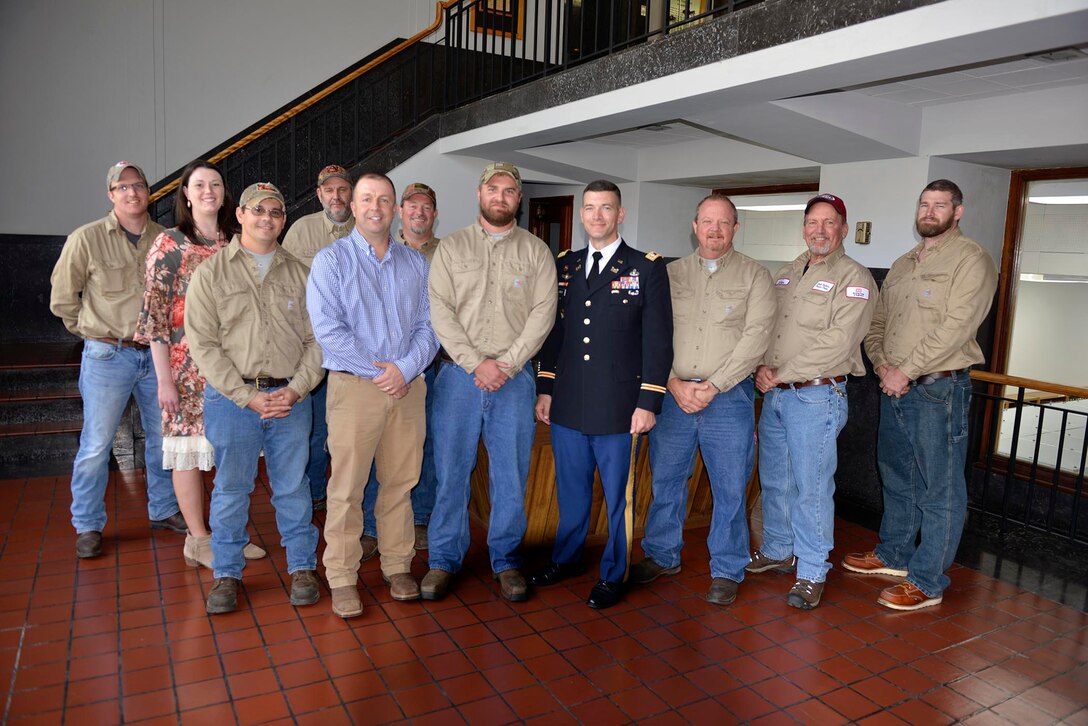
[333, 170]
[115, 173]
[500, 167]
[259, 191]
[836, 202]
[418, 188]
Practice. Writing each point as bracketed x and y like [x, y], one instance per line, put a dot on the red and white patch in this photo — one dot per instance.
[824, 286]
[861, 293]
[782, 281]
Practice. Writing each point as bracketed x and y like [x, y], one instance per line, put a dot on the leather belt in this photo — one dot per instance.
[928, 378]
[813, 382]
[445, 357]
[122, 343]
[265, 382]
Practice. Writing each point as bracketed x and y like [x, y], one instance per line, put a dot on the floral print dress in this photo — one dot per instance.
[170, 265]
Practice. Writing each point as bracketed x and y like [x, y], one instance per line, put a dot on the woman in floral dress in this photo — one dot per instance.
[205, 219]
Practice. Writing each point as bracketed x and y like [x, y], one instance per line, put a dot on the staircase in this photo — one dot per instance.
[41, 413]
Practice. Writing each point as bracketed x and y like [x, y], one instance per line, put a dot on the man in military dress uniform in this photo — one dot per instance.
[603, 370]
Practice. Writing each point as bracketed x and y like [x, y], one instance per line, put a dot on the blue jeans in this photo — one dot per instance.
[239, 435]
[922, 453]
[798, 429]
[108, 376]
[576, 456]
[317, 467]
[423, 492]
[724, 432]
[462, 413]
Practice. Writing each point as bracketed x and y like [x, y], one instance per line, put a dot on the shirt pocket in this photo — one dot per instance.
[113, 276]
[730, 307]
[683, 299]
[515, 279]
[624, 309]
[235, 304]
[933, 295]
[813, 310]
[288, 320]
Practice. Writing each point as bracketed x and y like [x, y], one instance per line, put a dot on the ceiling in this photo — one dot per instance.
[1009, 90]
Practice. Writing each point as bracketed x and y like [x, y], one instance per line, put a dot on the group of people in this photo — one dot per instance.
[392, 355]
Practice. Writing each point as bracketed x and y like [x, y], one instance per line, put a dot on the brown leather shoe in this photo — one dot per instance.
[805, 594]
[512, 584]
[648, 570]
[867, 563]
[88, 544]
[906, 596]
[304, 589]
[421, 537]
[435, 585]
[175, 523]
[223, 597]
[402, 586]
[723, 591]
[346, 602]
[370, 547]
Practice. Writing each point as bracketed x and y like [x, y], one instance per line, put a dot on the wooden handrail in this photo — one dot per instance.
[1002, 379]
[303, 105]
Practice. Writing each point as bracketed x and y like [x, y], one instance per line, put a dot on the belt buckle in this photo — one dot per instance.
[262, 383]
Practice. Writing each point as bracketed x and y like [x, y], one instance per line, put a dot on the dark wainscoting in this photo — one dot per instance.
[24, 289]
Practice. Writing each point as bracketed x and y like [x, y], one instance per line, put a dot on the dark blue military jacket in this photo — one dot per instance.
[610, 350]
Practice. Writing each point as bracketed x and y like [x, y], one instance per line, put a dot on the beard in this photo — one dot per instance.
[498, 218]
[820, 249]
[933, 229]
[338, 217]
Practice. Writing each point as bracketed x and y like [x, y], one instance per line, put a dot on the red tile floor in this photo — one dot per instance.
[124, 638]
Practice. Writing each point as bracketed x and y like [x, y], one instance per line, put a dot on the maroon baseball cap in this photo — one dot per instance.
[836, 202]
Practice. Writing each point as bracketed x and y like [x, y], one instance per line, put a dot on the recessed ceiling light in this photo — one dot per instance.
[1058, 200]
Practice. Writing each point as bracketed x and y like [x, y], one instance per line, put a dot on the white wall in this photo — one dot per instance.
[884, 193]
[1044, 345]
[985, 200]
[664, 218]
[454, 180]
[1055, 240]
[157, 82]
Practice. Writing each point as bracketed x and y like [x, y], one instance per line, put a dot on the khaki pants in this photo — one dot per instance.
[366, 425]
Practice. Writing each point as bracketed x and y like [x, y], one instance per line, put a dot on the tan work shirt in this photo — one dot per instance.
[721, 321]
[240, 327]
[427, 248]
[313, 233]
[821, 319]
[929, 311]
[492, 298]
[98, 281]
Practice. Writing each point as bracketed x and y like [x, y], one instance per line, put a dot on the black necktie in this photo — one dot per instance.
[595, 271]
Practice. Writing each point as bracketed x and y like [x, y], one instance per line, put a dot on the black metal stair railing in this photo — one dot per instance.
[474, 49]
[1028, 467]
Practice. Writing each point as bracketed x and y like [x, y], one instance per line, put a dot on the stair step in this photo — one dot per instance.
[50, 393]
[39, 410]
[38, 455]
[41, 355]
[35, 428]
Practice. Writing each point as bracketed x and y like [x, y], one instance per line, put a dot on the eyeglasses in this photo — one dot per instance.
[138, 187]
[260, 211]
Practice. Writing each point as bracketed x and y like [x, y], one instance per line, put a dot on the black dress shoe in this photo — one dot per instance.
[555, 573]
[605, 594]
